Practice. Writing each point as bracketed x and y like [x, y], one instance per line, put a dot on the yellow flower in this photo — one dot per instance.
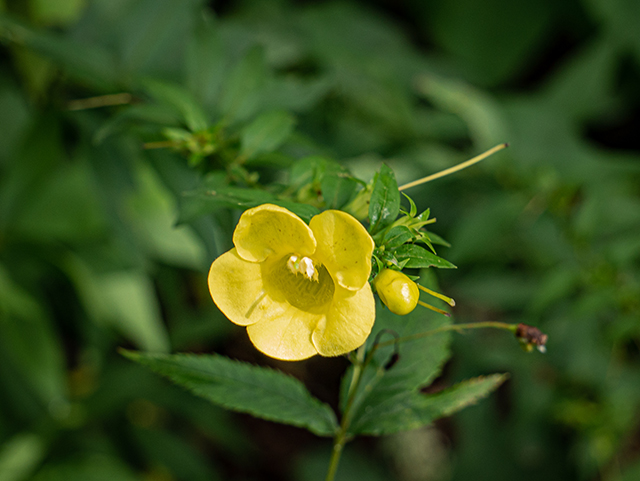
[300, 289]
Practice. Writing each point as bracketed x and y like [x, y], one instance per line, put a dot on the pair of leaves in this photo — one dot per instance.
[386, 401]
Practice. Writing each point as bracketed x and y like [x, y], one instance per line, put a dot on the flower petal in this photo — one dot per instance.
[347, 324]
[269, 229]
[344, 247]
[286, 335]
[237, 288]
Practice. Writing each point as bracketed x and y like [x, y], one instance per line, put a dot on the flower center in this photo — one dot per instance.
[302, 282]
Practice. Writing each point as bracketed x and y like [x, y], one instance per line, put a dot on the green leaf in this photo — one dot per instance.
[19, 456]
[420, 258]
[87, 62]
[57, 12]
[436, 239]
[206, 65]
[266, 133]
[124, 300]
[242, 90]
[385, 200]
[180, 100]
[411, 410]
[205, 201]
[260, 391]
[397, 236]
[481, 112]
[96, 467]
[143, 114]
[30, 341]
[338, 187]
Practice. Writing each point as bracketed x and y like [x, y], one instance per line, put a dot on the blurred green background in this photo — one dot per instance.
[546, 232]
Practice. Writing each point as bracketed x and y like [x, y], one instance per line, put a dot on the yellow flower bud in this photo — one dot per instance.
[399, 293]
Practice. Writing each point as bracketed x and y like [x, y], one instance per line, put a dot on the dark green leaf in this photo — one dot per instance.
[411, 410]
[88, 468]
[266, 133]
[262, 392]
[397, 236]
[419, 257]
[385, 200]
[86, 62]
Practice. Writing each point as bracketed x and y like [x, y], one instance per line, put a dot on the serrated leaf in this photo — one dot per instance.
[266, 133]
[420, 258]
[260, 391]
[384, 206]
[411, 410]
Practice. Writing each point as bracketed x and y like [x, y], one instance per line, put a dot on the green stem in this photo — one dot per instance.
[452, 327]
[341, 438]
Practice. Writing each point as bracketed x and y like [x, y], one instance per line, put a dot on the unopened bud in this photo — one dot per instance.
[399, 293]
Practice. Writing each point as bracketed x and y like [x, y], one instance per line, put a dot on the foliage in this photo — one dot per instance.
[134, 134]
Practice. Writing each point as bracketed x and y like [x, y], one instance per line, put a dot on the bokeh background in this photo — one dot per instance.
[546, 232]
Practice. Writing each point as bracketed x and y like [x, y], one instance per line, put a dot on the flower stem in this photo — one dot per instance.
[341, 437]
[455, 168]
[453, 327]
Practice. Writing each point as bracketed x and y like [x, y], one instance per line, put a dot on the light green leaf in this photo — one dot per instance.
[152, 212]
[411, 410]
[179, 99]
[124, 300]
[19, 456]
[266, 133]
[262, 392]
[206, 65]
[57, 12]
[242, 89]
[481, 112]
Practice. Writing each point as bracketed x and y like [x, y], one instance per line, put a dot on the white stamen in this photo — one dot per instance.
[302, 266]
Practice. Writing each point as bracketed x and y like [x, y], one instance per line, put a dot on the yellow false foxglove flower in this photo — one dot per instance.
[300, 289]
